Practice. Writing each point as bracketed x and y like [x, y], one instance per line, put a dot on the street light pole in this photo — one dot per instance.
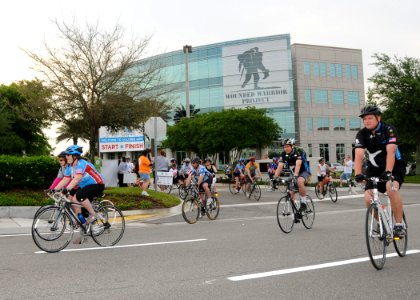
[187, 49]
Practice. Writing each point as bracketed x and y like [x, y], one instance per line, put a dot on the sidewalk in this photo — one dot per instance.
[18, 220]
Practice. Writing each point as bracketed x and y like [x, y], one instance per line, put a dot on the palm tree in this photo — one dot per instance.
[181, 112]
[72, 130]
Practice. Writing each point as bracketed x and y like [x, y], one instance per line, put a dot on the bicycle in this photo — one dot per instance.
[242, 183]
[54, 225]
[279, 183]
[328, 187]
[288, 209]
[194, 205]
[379, 228]
[254, 190]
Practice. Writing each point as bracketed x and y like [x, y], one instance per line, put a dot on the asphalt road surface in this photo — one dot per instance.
[241, 255]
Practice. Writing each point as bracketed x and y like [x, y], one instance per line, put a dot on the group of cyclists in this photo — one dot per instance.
[79, 179]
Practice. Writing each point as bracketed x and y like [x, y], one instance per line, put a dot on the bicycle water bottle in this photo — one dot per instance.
[81, 218]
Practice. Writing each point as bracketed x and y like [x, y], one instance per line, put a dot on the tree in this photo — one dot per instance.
[181, 112]
[71, 130]
[231, 130]
[99, 78]
[22, 117]
[396, 86]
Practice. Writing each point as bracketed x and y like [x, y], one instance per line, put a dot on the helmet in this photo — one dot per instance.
[173, 159]
[74, 150]
[289, 142]
[370, 110]
[207, 159]
[62, 154]
[275, 158]
[251, 158]
[196, 160]
[242, 159]
[187, 159]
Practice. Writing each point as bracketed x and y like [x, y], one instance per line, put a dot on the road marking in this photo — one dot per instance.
[309, 268]
[11, 235]
[128, 246]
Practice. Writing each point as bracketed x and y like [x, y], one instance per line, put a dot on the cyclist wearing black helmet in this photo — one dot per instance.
[379, 140]
[63, 165]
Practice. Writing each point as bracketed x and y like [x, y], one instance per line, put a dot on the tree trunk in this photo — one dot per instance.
[94, 143]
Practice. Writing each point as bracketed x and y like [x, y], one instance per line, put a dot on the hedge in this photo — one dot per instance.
[31, 172]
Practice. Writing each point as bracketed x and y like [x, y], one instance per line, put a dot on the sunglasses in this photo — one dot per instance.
[62, 160]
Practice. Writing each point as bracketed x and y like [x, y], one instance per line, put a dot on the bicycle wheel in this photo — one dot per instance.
[52, 229]
[256, 193]
[232, 188]
[333, 193]
[282, 186]
[109, 226]
[308, 215]
[183, 192]
[268, 185]
[285, 215]
[318, 192]
[401, 244]
[375, 241]
[190, 210]
[212, 210]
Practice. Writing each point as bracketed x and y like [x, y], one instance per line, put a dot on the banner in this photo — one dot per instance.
[120, 141]
[164, 178]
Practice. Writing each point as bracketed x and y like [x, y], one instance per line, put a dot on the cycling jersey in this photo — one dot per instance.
[200, 171]
[252, 167]
[85, 168]
[186, 169]
[375, 144]
[290, 159]
[239, 167]
[322, 170]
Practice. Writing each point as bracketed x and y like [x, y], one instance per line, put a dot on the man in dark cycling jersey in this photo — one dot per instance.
[295, 158]
[379, 140]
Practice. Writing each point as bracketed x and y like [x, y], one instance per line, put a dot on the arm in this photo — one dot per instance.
[391, 149]
[75, 181]
[359, 154]
[279, 169]
[297, 167]
[63, 183]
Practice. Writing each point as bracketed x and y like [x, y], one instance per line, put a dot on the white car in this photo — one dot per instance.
[337, 167]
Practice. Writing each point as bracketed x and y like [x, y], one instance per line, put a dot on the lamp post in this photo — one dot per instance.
[187, 49]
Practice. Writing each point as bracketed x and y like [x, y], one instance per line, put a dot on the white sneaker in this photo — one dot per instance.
[209, 201]
[144, 193]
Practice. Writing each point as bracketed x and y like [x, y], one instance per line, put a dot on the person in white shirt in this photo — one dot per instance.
[348, 170]
[321, 172]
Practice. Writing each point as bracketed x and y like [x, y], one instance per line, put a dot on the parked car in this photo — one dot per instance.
[337, 167]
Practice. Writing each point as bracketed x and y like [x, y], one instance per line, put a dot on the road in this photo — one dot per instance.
[241, 255]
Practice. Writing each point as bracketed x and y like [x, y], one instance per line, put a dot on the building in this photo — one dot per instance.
[313, 92]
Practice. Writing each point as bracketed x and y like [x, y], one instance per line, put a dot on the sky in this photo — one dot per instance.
[374, 26]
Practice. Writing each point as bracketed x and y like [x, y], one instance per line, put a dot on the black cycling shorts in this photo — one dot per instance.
[209, 182]
[90, 192]
[398, 172]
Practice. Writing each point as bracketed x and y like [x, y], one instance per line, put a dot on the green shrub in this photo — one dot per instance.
[30, 172]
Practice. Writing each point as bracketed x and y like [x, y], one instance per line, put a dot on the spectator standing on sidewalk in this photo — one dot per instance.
[145, 166]
[348, 170]
[122, 169]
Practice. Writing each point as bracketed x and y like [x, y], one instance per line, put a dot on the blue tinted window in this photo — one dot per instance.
[316, 69]
[354, 72]
[354, 97]
[309, 124]
[323, 69]
[332, 70]
[321, 96]
[339, 124]
[322, 123]
[338, 70]
[348, 71]
[355, 124]
[308, 96]
[337, 97]
[306, 68]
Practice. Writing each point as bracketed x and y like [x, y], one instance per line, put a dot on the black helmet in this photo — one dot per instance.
[196, 160]
[370, 110]
[62, 154]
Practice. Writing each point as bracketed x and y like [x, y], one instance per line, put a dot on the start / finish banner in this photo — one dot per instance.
[120, 141]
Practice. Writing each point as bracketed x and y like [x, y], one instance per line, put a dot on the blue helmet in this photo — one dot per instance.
[242, 159]
[74, 150]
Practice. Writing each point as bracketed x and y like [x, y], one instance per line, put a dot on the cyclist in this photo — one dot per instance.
[272, 167]
[82, 173]
[174, 170]
[185, 170]
[213, 171]
[239, 173]
[202, 178]
[252, 171]
[295, 158]
[63, 165]
[322, 172]
[379, 140]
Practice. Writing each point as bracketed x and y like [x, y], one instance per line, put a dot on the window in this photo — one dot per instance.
[316, 69]
[322, 69]
[309, 150]
[355, 124]
[337, 97]
[322, 123]
[348, 71]
[339, 124]
[332, 70]
[306, 68]
[324, 152]
[309, 124]
[321, 96]
[354, 97]
[308, 96]
[339, 150]
[354, 72]
[338, 70]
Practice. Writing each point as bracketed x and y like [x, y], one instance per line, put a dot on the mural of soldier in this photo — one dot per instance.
[251, 61]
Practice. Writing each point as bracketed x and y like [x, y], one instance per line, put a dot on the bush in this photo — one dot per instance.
[30, 172]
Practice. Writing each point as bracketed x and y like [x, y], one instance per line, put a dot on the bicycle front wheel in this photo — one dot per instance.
[375, 241]
[212, 210]
[333, 193]
[190, 211]
[308, 215]
[285, 215]
[52, 229]
[318, 192]
[256, 193]
[109, 227]
[232, 188]
[183, 192]
[400, 244]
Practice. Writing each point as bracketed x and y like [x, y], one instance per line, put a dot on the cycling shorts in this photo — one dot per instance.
[89, 192]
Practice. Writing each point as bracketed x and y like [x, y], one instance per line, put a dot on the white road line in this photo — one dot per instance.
[128, 246]
[309, 268]
[11, 235]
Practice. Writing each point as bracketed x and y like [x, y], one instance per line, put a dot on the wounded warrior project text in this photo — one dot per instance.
[256, 97]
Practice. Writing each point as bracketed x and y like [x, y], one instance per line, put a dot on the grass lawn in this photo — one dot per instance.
[126, 198]
[412, 179]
